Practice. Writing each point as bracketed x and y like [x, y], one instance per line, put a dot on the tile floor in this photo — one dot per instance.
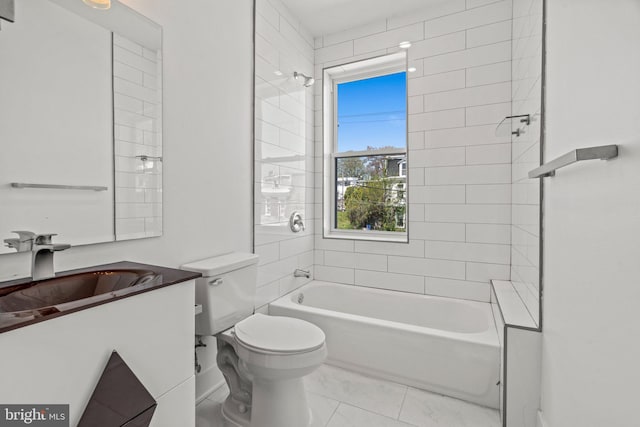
[341, 398]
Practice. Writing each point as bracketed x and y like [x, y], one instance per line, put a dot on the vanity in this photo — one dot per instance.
[56, 353]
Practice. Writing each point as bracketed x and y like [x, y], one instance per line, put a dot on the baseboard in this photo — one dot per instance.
[204, 393]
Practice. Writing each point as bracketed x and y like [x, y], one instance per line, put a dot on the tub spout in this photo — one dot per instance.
[301, 273]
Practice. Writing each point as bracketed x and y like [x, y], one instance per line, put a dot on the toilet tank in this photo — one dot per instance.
[226, 290]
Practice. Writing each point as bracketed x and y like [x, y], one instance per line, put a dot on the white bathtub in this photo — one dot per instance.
[443, 345]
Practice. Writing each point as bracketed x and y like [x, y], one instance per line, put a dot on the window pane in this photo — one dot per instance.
[371, 193]
[372, 113]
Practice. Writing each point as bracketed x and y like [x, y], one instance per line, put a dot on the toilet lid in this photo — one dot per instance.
[279, 334]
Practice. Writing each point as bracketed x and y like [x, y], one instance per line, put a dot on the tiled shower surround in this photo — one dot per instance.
[283, 150]
[459, 170]
[526, 89]
[137, 99]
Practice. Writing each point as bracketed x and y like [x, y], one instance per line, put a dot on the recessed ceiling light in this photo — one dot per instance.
[411, 69]
[405, 45]
[99, 4]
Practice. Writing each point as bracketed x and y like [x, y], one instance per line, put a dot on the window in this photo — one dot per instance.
[365, 149]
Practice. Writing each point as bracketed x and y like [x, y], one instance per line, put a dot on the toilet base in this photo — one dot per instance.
[280, 403]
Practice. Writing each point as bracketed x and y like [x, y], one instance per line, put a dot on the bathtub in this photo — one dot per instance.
[443, 345]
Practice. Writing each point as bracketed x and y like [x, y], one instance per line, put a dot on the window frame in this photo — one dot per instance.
[332, 77]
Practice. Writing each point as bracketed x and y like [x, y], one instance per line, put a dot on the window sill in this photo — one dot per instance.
[380, 236]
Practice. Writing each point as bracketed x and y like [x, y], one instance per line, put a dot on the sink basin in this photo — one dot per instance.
[61, 293]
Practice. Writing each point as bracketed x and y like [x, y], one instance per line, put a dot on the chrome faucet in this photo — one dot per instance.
[42, 256]
[42, 250]
[23, 243]
[301, 273]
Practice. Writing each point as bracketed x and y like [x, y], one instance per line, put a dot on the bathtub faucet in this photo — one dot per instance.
[301, 273]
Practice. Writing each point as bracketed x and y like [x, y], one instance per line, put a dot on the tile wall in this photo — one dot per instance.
[459, 170]
[137, 97]
[526, 93]
[283, 150]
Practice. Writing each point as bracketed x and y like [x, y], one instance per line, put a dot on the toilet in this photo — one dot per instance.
[263, 358]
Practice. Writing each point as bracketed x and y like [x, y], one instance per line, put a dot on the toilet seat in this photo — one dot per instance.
[278, 335]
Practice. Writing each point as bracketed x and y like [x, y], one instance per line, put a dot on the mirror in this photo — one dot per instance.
[80, 123]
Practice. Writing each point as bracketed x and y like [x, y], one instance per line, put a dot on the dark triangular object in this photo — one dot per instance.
[119, 399]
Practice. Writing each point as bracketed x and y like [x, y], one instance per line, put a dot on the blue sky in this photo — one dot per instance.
[372, 112]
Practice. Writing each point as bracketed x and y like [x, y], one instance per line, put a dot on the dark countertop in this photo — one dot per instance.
[12, 293]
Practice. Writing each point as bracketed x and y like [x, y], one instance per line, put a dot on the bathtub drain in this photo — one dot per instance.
[300, 298]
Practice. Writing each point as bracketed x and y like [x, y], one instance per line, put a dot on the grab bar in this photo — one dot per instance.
[603, 152]
[58, 187]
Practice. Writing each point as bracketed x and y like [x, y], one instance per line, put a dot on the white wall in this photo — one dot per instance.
[459, 171]
[283, 150]
[590, 354]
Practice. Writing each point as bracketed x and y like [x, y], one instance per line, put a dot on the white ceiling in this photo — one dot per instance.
[329, 16]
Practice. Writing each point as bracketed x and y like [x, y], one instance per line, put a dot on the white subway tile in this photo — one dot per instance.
[488, 233]
[126, 72]
[454, 156]
[376, 27]
[448, 232]
[480, 95]
[332, 53]
[495, 12]
[437, 120]
[292, 247]
[488, 154]
[437, 83]
[488, 34]
[416, 213]
[388, 39]
[489, 74]
[447, 194]
[437, 45]
[334, 274]
[370, 262]
[127, 103]
[489, 194]
[134, 60]
[427, 267]
[415, 105]
[472, 214]
[460, 251]
[333, 244]
[487, 114]
[267, 293]
[268, 13]
[392, 281]
[475, 291]
[433, 11]
[416, 176]
[483, 174]
[339, 259]
[414, 248]
[470, 135]
[483, 55]
[127, 44]
[416, 141]
[482, 272]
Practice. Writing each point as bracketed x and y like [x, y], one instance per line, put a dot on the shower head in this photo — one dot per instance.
[306, 81]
